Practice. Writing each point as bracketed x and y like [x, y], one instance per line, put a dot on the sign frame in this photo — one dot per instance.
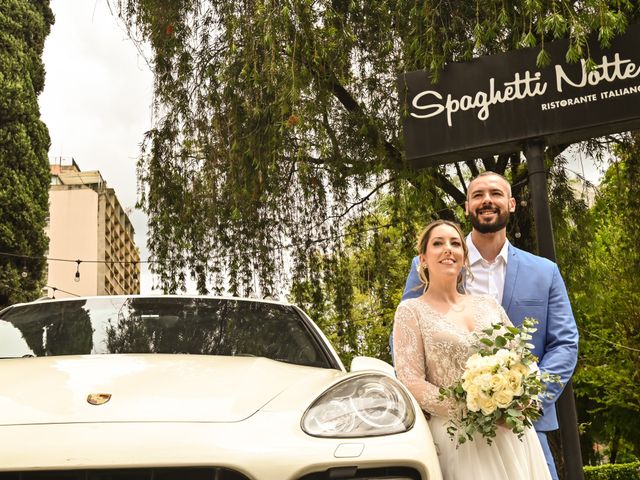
[495, 104]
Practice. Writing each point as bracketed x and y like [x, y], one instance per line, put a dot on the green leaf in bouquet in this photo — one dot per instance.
[487, 342]
[513, 330]
[489, 430]
[488, 331]
[500, 341]
[519, 426]
[528, 324]
[513, 412]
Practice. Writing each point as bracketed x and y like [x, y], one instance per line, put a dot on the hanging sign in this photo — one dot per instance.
[493, 104]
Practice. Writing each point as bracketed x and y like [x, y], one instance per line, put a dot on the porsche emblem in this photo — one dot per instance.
[98, 398]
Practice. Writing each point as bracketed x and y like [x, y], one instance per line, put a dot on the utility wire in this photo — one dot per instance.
[278, 247]
[34, 257]
[618, 345]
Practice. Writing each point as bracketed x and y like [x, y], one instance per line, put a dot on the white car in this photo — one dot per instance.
[187, 387]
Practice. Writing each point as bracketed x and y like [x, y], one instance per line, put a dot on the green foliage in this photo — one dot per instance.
[276, 121]
[24, 143]
[621, 471]
[606, 301]
[353, 293]
[460, 31]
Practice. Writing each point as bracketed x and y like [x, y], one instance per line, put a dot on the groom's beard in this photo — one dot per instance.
[499, 223]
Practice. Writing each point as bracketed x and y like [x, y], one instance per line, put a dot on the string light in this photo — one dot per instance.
[515, 185]
[77, 275]
[56, 289]
[76, 278]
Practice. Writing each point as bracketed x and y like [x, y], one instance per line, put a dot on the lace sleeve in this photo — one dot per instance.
[410, 362]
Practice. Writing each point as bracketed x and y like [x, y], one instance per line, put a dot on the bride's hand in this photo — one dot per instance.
[503, 423]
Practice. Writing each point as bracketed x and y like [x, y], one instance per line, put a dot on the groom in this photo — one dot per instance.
[526, 285]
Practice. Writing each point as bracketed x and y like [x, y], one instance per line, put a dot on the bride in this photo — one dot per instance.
[432, 339]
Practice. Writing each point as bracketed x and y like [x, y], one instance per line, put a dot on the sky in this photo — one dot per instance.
[97, 104]
[97, 101]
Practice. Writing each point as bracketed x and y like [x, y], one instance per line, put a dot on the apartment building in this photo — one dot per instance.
[91, 239]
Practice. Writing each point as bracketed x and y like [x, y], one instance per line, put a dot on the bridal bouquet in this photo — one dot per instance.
[501, 384]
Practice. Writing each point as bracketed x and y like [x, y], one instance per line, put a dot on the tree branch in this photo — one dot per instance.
[394, 156]
[554, 150]
[461, 177]
[449, 188]
[367, 197]
[503, 161]
[473, 168]
[489, 163]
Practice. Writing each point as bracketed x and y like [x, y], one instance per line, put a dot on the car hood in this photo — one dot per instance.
[148, 388]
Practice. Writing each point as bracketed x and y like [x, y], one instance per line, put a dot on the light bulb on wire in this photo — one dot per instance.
[77, 275]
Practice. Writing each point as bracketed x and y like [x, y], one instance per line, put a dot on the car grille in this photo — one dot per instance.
[129, 474]
[354, 473]
[211, 473]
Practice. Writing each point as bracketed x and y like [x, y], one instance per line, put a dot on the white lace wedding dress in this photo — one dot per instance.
[430, 352]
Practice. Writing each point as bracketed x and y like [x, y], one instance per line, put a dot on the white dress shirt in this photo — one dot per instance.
[487, 277]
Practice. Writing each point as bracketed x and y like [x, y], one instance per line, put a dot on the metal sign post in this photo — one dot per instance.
[565, 405]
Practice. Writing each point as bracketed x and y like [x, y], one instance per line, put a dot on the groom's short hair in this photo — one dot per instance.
[487, 173]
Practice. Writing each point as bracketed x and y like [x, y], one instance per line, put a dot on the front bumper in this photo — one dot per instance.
[267, 446]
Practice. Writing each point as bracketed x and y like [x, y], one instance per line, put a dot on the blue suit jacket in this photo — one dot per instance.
[534, 288]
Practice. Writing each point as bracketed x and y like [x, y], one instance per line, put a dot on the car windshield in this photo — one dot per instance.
[206, 326]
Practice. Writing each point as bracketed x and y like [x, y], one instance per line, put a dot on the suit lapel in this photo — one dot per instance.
[510, 278]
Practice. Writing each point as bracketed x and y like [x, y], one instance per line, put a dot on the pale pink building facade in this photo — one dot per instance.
[87, 223]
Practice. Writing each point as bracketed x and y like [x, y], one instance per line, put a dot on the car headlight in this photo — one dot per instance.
[362, 406]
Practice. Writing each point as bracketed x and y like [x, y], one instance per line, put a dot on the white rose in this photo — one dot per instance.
[503, 355]
[475, 363]
[472, 398]
[483, 381]
[487, 404]
[520, 368]
[469, 376]
[503, 398]
[498, 381]
[514, 382]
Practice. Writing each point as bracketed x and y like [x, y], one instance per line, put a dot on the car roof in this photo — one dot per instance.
[206, 297]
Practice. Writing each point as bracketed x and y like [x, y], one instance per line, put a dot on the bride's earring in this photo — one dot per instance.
[424, 275]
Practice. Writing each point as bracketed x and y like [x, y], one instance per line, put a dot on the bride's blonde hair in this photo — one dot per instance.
[423, 241]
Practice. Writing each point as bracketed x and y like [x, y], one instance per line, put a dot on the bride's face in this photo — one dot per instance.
[444, 255]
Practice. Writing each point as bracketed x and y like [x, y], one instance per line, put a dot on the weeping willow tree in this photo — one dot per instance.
[277, 121]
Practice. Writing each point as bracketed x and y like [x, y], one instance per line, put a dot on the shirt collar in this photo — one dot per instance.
[474, 254]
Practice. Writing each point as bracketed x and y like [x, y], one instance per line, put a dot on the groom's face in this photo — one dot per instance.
[489, 203]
